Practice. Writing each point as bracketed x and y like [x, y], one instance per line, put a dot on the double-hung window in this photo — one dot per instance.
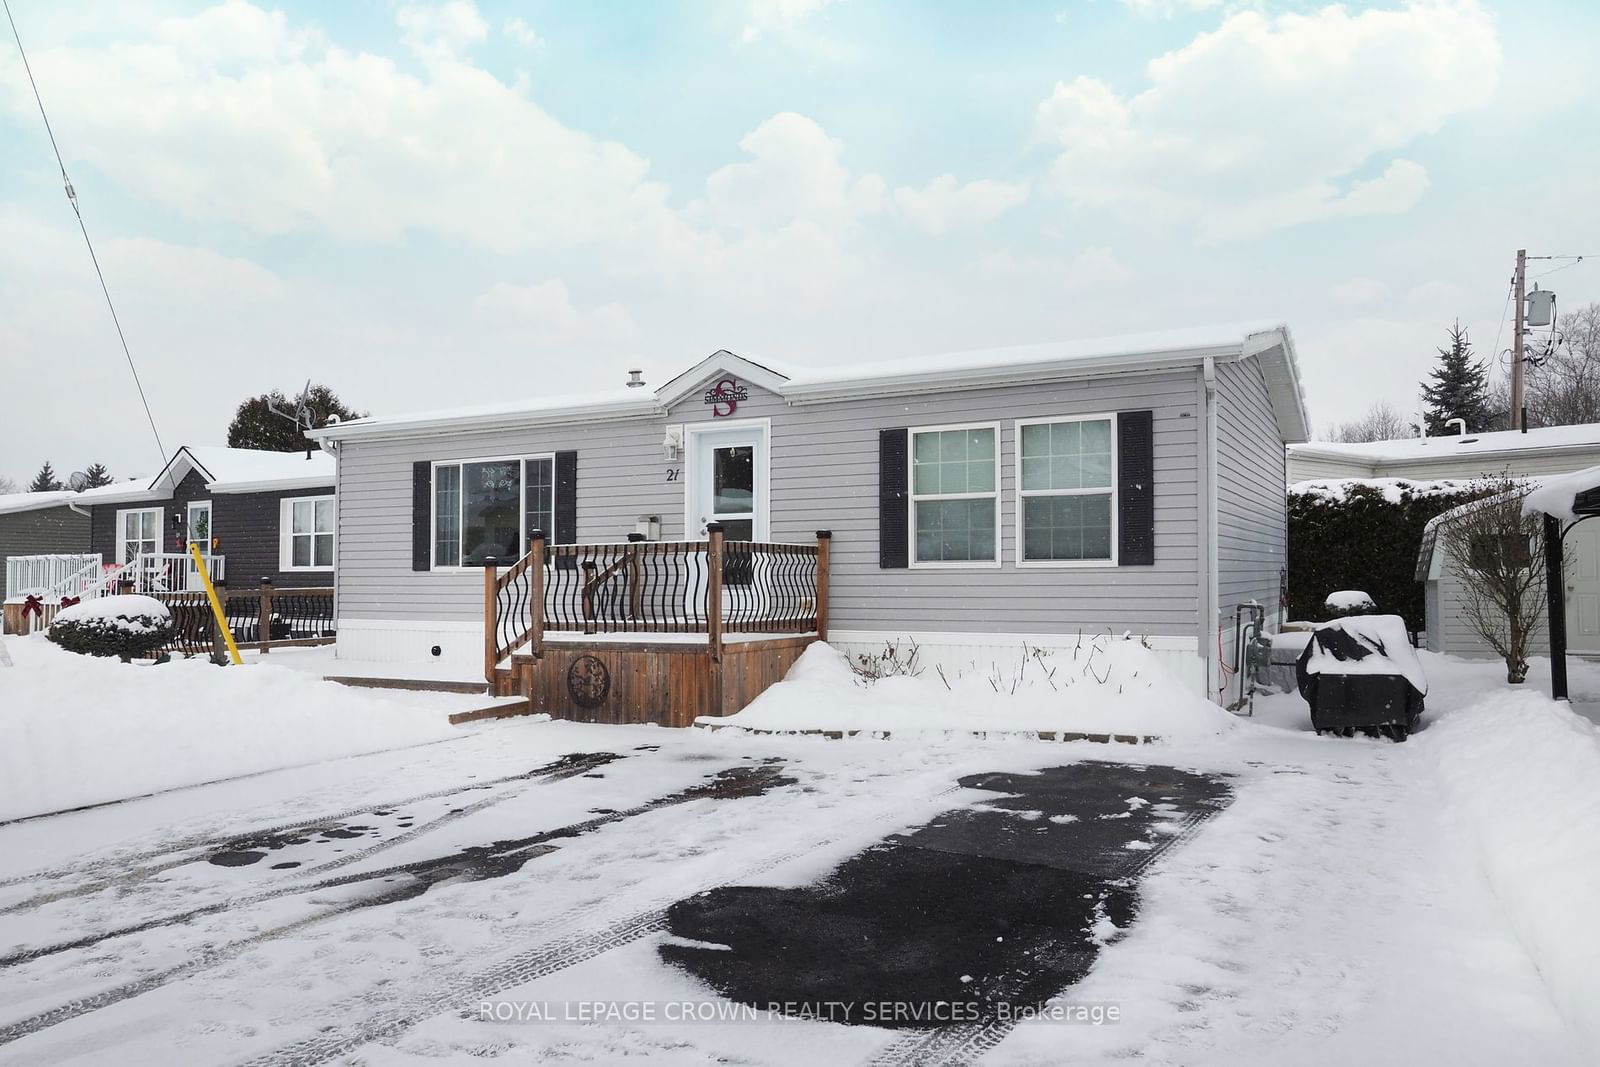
[1066, 490]
[308, 531]
[485, 510]
[138, 531]
[955, 487]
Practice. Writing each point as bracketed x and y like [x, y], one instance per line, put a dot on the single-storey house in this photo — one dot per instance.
[260, 515]
[976, 504]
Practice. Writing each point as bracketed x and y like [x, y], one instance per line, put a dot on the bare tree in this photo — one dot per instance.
[1497, 554]
[1380, 423]
[1563, 386]
[7, 485]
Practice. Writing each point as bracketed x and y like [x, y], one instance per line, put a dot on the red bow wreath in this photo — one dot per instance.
[68, 601]
[32, 605]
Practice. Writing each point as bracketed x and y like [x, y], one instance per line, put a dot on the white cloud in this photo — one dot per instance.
[795, 174]
[543, 312]
[943, 205]
[767, 15]
[233, 117]
[522, 33]
[1271, 122]
[1169, 8]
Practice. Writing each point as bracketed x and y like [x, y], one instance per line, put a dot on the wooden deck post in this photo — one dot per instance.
[536, 595]
[824, 543]
[635, 576]
[491, 593]
[714, 589]
[264, 616]
[588, 595]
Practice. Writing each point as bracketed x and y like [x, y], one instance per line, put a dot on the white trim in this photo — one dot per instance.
[1019, 495]
[434, 566]
[996, 494]
[687, 383]
[188, 524]
[415, 625]
[286, 532]
[271, 485]
[122, 542]
[763, 490]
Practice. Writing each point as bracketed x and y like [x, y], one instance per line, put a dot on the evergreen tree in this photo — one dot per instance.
[1459, 390]
[255, 426]
[97, 476]
[45, 481]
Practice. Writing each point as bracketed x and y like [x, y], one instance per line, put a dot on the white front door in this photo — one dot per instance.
[1583, 587]
[727, 482]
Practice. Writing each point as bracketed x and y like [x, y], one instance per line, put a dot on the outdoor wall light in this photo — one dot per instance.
[672, 443]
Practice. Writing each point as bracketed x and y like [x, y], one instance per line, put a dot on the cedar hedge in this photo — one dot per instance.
[128, 637]
[1355, 538]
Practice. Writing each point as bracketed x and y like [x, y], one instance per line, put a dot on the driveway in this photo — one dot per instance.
[557, 891]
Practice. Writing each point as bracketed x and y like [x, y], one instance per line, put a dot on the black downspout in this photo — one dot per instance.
[1556, 592]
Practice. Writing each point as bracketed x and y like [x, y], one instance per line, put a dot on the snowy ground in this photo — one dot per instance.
[1356, 902]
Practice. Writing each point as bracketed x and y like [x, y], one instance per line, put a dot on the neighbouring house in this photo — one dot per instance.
[1538, 453]
[258, 515]
[979, 505]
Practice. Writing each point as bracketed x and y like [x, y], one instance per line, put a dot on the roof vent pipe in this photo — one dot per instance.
[1462, 432]
[635, 379]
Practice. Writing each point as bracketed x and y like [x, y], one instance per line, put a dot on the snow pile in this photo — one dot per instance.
[1378, 644]
[1347, 601]
[77, 730]
[132, 613]
[1393, 490]
[1519, 771]
[1555, 494]
[1112, 686]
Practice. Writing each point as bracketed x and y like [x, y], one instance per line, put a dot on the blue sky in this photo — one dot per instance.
[428, 204]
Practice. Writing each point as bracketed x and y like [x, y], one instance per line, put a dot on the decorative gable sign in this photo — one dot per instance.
[725, 396]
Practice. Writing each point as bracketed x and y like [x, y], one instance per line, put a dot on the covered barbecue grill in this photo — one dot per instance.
[1361, 673]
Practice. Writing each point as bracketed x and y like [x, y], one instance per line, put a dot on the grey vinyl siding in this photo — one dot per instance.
[104, 526]
[1455, 636]
[41, 532]
[1308, 468]
[1448, 465]
[823, 476]
[1252, 508]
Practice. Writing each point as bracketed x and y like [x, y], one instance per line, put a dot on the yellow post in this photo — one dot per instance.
[216, 605]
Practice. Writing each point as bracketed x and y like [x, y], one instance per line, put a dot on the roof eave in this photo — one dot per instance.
[272, 485]
[479, 423]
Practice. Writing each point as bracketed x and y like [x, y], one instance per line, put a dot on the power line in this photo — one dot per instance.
[72, 198]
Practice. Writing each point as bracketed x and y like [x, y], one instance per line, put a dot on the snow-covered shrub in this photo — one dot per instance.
[893, 662]
[126, 626]
[1343, 603]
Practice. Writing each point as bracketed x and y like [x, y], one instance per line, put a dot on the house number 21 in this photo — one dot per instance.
[674, 473]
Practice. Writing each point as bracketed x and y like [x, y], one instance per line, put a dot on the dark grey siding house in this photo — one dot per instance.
[977, 501]
[28, 529]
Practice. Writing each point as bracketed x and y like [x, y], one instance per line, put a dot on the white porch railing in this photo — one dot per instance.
[51, 576]
[50, 579]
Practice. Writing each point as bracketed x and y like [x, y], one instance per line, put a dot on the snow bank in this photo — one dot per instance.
[1349, 600]
[1112, 686]
[1520, 771]
[78, 730]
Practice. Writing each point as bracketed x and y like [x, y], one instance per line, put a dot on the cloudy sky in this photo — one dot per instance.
[431, 204]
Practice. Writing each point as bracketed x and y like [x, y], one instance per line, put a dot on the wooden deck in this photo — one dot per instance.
[674, 643]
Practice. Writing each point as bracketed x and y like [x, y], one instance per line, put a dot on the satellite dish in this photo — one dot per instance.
[78, 482]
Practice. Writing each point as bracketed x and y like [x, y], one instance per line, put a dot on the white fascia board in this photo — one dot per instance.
[503, 420]
[911, 382]
[1280, 367]
[720, 362]
[271, 485]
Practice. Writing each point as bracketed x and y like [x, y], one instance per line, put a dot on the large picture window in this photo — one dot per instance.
[485, 510]
[308, 533]
[955, 485]
[1066, 488]
[138, 531]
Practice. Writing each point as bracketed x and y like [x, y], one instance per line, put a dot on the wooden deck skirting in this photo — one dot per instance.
[605, 666]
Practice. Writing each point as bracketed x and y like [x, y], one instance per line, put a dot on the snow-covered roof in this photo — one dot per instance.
[240, 470]
[10, 502]
[1267, 342]
[225, 470]
[1566, 496]
[1451, 446]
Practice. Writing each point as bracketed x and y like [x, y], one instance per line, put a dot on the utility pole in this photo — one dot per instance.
[1518, 422]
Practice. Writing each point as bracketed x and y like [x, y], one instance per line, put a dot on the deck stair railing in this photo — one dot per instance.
[52, 575]
[710, 587]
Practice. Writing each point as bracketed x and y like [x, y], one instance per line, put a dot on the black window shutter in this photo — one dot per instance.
[1136, 501]
[893, 499]
[566, 503]
[421, 515]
